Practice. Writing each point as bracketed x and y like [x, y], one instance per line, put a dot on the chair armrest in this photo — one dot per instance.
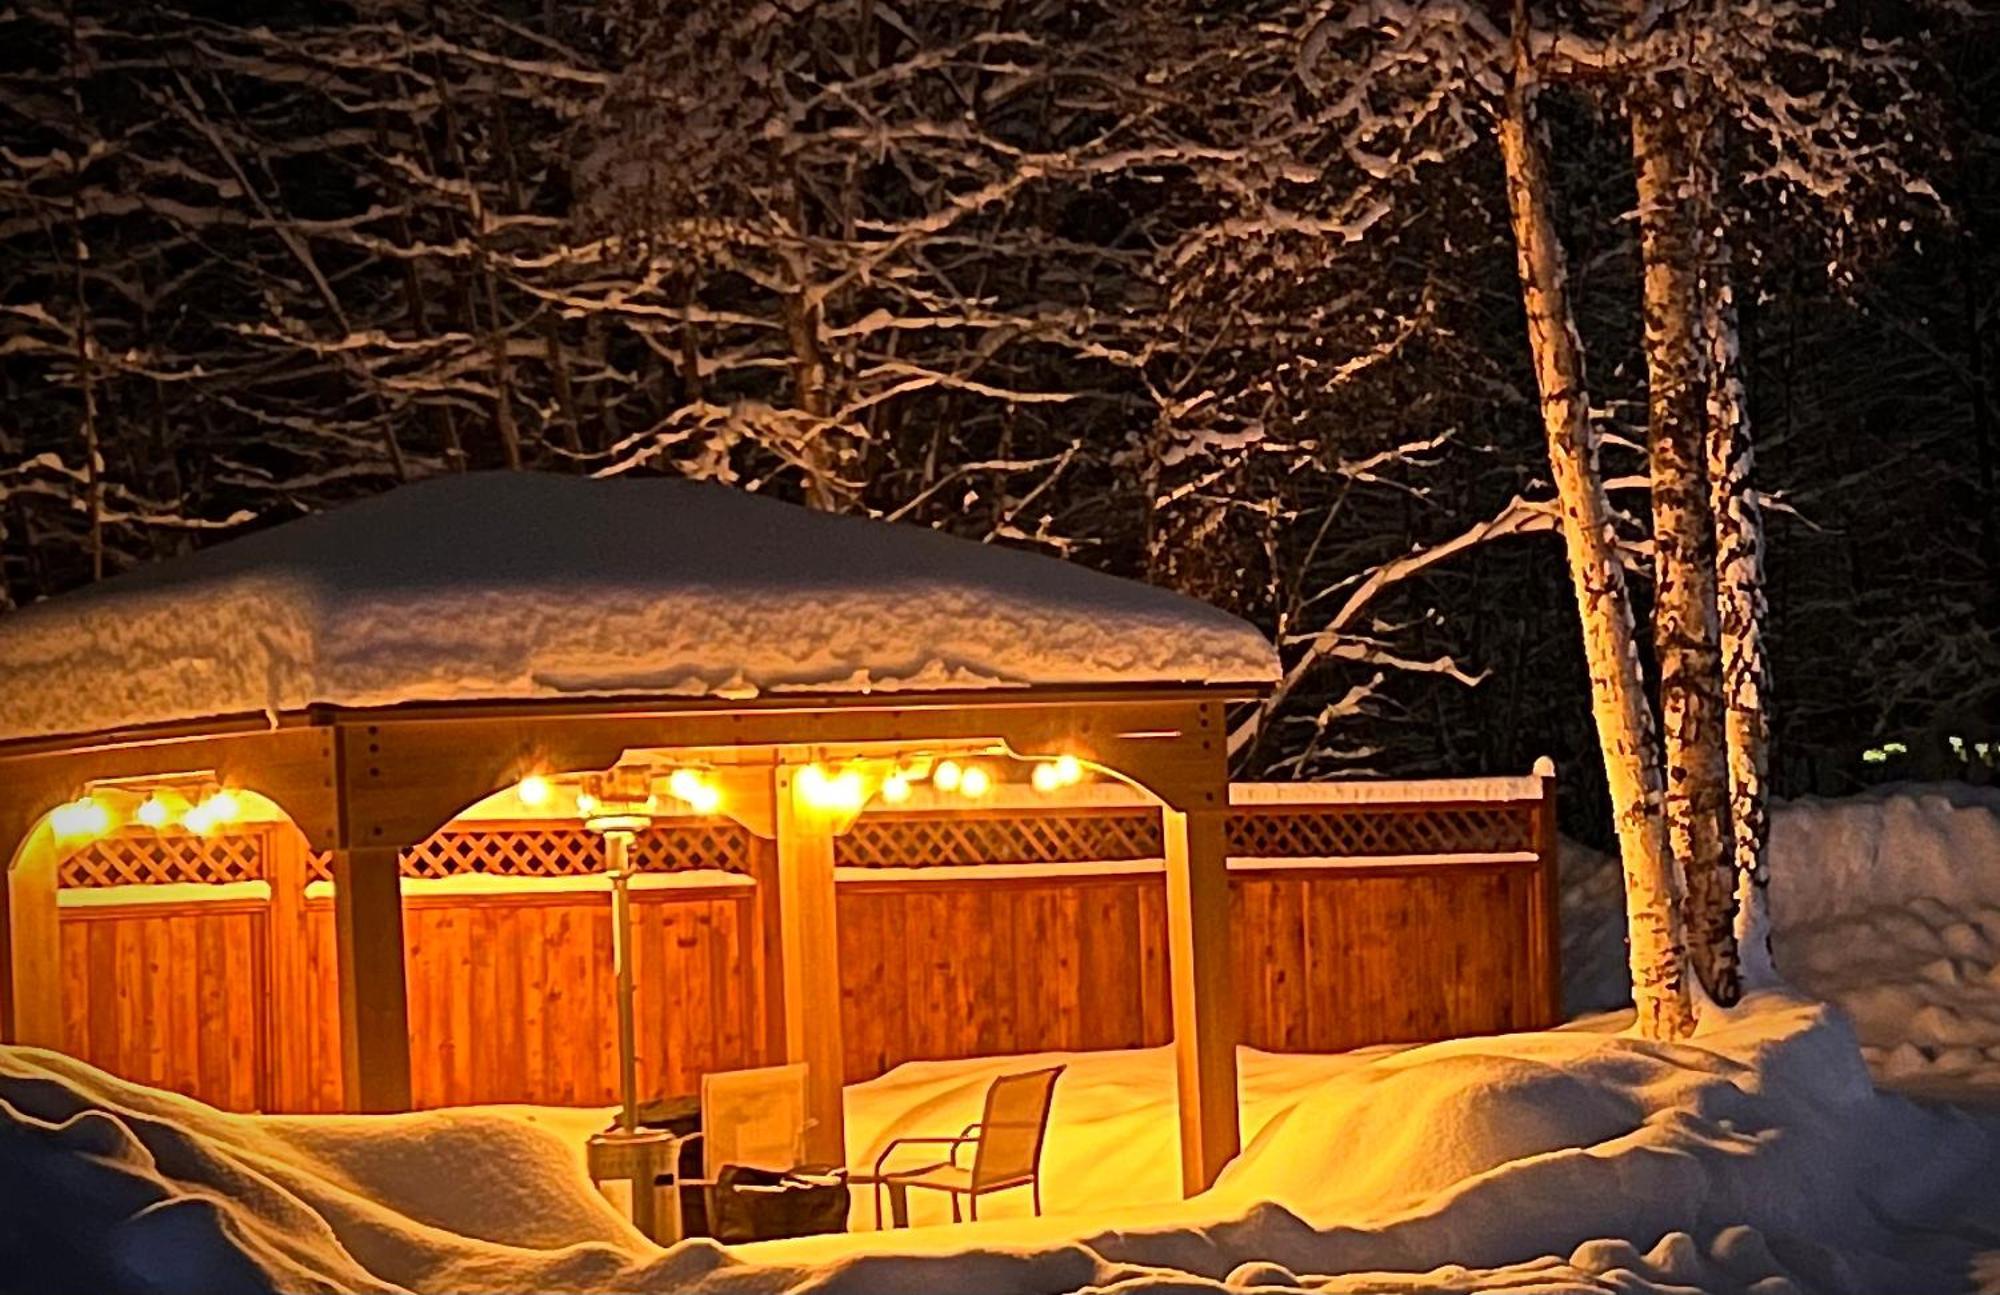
[894, 1143]
[971, 1133]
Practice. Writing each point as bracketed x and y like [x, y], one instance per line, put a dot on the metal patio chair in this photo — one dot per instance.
[1006, 1146]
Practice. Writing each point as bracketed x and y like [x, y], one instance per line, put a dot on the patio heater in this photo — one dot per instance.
[615, 806]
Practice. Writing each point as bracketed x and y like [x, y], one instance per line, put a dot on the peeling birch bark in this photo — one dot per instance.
[1739, 530]
[1685, 631]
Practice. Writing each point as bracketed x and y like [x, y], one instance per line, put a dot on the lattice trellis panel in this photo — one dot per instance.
[538, 852]
[913, 841]
[684, 847]
[164, 859]
[920, 841]
[1329, 831]
[566, 851]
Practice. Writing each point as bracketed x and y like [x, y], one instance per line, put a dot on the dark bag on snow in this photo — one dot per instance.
[764, 1205]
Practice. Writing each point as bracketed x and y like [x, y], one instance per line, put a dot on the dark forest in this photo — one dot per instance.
[1220, 296]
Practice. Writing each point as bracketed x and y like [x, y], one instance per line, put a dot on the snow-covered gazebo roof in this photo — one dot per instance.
[524, 586]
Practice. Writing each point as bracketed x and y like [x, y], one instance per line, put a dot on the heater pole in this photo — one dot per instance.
[617, 859]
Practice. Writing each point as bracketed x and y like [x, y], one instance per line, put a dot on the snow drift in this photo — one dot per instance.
[1755, 1157]
[1886, 904]
[528, 585]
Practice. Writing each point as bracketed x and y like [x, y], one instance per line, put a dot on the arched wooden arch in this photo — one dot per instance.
[292, 766]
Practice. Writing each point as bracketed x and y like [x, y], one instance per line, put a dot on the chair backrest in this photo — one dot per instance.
[1013, 1126]
[753, 1117]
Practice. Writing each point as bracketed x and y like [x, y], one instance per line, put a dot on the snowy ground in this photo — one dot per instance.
[1887, 905]
[1756, 1158]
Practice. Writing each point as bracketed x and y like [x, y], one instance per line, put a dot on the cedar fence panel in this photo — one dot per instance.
[1326, 960]
[1332, 959]
[1431, 918]
[170, 995]
[512, 996]
[933, 970]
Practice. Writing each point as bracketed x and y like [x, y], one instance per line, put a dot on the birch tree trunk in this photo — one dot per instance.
[1685, 634]
[1739, 528]
[819, 449]
[1618, 699]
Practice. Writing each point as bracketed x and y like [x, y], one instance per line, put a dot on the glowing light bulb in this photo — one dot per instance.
[841, 791]
[1068, 769]
[896, 788]
[211, 813]
[152, 812]
[946, 775]
[1045, 778]
[586, 803]
[82, 818]
[701, 795]
[975, 781]
[533, 790]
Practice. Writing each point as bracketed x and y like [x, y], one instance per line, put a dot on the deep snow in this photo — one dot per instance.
[1755, 1158]
[1886, 904]
[529, 585]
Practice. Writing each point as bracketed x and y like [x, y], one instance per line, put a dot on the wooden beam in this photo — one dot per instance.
[294, 767]
[374, 1002]
[809, 937]
[318, 715]
[1201, 972]
[404, 776]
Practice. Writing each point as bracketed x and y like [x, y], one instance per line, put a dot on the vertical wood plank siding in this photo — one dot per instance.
[511, 994]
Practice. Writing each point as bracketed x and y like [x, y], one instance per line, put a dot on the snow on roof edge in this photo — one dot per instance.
[528, 587]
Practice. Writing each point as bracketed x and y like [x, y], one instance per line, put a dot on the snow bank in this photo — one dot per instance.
[1755, 1158]
[1889, 905]
[1886, 904]
[1884, 849]
[528, 585]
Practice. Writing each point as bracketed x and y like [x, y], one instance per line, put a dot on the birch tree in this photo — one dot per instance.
[1742, 607]
[1624, 720]
[1777, 98]
[1685, 630]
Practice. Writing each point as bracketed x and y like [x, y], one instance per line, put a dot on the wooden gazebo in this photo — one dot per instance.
[377, 670]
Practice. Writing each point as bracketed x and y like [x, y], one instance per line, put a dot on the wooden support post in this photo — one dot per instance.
[810, 938]
[767, 941]
[33, 1011]
[1545, 905]
[374, 1001]
[10, 979]
[287, 1084]
[1204, 999]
